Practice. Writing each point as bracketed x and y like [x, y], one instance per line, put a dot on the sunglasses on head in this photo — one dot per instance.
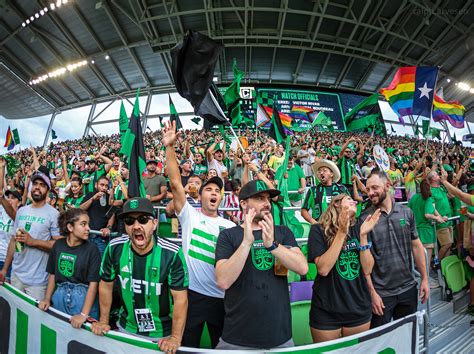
[142, 219]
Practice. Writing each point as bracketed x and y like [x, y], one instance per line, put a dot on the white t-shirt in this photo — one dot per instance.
[30, 264]
[199, 237]
[6, 232]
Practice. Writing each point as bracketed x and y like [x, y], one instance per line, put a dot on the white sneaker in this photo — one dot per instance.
[434, 283]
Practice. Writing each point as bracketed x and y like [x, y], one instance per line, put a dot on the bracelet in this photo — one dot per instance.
[84, 315]
[368, 246]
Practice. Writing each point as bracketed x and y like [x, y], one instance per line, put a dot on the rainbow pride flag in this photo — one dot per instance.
[452, 111]
[411, 91]
[9, 142]
[301, 112]
[263, 117]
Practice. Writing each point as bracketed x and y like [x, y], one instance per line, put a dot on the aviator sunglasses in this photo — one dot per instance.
[142, 219]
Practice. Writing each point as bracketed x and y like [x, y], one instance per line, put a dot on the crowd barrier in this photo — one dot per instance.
[26, 329]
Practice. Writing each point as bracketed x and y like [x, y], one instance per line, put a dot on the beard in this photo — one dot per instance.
[38, 197]
[380, 199]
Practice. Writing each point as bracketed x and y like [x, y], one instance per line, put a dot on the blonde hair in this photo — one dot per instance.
[329, 221]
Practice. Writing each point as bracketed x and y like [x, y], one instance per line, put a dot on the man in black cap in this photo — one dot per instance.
[251, 265]
[149, 272]
[200, 229]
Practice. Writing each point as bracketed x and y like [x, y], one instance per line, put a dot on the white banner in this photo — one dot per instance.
[26, 329]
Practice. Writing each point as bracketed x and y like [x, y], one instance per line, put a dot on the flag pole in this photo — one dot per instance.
[230, 124]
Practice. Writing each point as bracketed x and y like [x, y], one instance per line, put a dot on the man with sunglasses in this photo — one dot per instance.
[149, 271]
[200, 229]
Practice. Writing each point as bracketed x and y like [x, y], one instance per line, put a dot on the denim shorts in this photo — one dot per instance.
[69, 298]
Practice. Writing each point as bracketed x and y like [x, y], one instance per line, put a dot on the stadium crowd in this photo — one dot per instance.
[72, 238]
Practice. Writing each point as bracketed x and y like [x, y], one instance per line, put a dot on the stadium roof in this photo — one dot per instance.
[353, 45]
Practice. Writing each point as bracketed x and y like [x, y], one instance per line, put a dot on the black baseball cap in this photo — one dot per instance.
[256, 187]
[137, 205]
[152, 161]
[215, 180]
[14, 193]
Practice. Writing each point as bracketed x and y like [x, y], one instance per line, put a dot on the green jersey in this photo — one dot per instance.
[89, 179]
[440, 198]
[72, 202]
[347, 168]
[145, 284]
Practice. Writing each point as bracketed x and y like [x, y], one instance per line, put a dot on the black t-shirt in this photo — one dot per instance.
[78, 264]
[343, 292]
[97, 213]
[257, 305]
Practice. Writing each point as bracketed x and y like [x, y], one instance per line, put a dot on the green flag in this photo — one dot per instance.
[232, 96]
[174, 114]
[134, 150]
[425, 127]
[196, 120]
[322, 119]
[366, 116]
[435, 133]
[53, 134]
[224, 136]
[16, 136]
[288, 217]
[123, 122]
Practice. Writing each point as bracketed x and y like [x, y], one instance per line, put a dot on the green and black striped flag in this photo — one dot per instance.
[133, 149]
[174, 114]
[276, 131]
[366, 116]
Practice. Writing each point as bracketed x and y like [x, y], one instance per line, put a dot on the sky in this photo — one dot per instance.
[71, 124]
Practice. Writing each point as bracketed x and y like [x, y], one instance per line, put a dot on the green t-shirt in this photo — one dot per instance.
[145, 282]
[347, 168]
[294, 182]
[91, 179]
[72, 202]
[420, 207]
[440, 198]
[118, 193]
[200, 169]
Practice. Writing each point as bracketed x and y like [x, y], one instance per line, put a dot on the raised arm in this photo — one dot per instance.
[107, 161]
[344, 147]
[169, 140]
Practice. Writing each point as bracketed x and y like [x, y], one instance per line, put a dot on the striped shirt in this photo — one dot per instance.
[145, 282]
[232, 201]
[200, 233]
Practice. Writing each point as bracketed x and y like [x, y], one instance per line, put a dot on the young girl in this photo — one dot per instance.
[73, 268]
[341, 304]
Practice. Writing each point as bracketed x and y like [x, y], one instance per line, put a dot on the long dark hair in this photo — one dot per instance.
[425, 189]
[69, 218]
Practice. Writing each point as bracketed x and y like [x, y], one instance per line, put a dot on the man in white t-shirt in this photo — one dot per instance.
[200, 230]
[215, 159]
[36, 227]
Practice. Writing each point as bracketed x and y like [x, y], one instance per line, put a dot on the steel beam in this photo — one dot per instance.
[147, 111]
[89, 120]
[50, 126]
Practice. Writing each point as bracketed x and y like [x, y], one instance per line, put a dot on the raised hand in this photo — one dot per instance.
[169, 134]
[344, 220]
[248, 232]
[267, 230]
[369, 223]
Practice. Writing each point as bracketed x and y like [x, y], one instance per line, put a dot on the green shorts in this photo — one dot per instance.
[427, 236]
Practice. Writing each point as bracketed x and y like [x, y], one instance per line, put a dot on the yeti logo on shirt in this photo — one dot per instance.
[66, 264]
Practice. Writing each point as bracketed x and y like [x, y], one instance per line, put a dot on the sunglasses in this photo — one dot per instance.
[142, 219]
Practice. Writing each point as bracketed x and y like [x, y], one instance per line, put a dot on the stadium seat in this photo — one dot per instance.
[453, 271]
[164, 229]
[301, 290]
[300, 322]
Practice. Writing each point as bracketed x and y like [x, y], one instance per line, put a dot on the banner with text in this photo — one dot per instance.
[26, 329]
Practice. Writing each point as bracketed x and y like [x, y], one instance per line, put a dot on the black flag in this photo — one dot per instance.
[193, 64]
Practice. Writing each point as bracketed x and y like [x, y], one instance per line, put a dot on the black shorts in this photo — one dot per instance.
[324, 320]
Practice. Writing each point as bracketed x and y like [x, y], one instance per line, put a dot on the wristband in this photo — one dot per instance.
[272, 247]
[368, 246]
[84, 315]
